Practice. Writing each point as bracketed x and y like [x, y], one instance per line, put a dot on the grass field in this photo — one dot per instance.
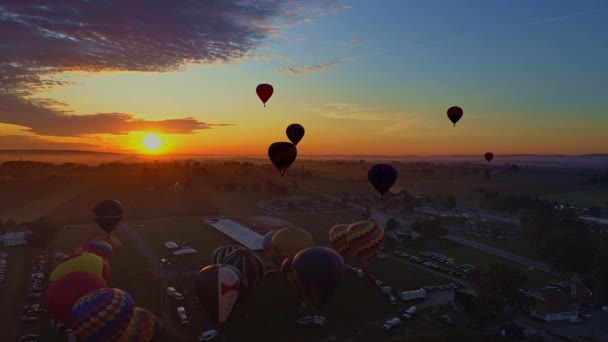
[521, 247]
[594, 196]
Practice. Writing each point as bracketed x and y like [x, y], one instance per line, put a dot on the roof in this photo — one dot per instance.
[594, 219]
[240, 233]
[551, 300]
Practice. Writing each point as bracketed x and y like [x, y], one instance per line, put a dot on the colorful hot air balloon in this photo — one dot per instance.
[218, 255]
[267, 242]
[251, 267]
[217, 288]
[144, 327]
[382, 177]
[295, 133]
[108, 214]
[102, 315]
[287, 242]
[318, 272]
[282, 155]
[337, 238]
[489, 156]
[288, 276]
[113, 241]
[61, 295]
[454, 113]
[80, 262]
[99, 248]
[264, 92]
[365, 238]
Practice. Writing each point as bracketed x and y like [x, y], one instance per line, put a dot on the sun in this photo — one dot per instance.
[151, 142]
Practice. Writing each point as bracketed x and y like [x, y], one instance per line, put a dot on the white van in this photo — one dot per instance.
[209, 335]
[181, 314]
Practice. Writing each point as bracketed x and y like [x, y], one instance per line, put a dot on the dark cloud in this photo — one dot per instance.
[30, 142]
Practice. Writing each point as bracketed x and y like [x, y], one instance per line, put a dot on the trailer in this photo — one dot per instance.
[411, 295]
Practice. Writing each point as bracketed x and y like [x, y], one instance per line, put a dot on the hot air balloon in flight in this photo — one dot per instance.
[282, 155]
[489, 156]
[365, 238]
[217, 288]
[295, 133]
[318, 272]
[80, 262]
[287, 242]
[61, 295]
[99, 248]
[102, 315]
[454, 114]
[264, 92]
[382, 177]
[251, 267]
[108, 214]
[337, 239]
[218, 255]
[144, 326]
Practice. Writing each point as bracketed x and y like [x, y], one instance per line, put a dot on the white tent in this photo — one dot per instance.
[171, 245]
[240, 233]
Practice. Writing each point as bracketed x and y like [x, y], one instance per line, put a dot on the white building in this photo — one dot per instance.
[239, 233]
[13, 239]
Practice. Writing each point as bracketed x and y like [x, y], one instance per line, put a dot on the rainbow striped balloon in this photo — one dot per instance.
[218, 255]
[365, 238]
[144, 326]
[102, 315]
[97, 247]
[338, 240]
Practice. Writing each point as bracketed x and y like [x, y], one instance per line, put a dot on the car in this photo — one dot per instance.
[447, 319]
[209, 335]
[178, 296]
[29, 338]
[34, 295]
[605, 308]
[29, 319]
[575, 320]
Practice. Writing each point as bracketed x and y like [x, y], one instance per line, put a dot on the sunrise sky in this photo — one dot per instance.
[362, 77]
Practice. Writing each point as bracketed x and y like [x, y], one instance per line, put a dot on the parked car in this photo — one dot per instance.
[209, 335]
[29, 338]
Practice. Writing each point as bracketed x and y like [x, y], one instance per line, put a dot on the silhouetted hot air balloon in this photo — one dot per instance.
[365, 238]
[99, 248]
[288, 276]
[282, 155]
[144, 327]
[489, 156]
[318, 272]
[217, 288]
[295, 133]
[61, 295]
[337, 239]
[267, 242]
[382, 177]
[251, 267]
[218, 255]
[287, 242]
[455, 113]
[102, 315]
[108, 214]
[264, 92]
[80, 262]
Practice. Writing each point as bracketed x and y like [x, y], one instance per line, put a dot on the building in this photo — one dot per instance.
[553, 304]
[239, 233]
[13, 239]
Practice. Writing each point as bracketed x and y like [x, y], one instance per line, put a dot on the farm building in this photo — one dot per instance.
[553, 304]
[239, 233]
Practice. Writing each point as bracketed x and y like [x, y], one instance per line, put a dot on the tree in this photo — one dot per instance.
[43, 232]
[392, 224]
[545, 220]
[2, 230]
[567, 251]
[595, 211]
[498, 285]
[601, 273]
[450, 202]
[429, 228]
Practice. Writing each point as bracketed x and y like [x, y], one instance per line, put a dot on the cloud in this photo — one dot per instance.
[350, 111]
[27, 142]
[303, 69]
[352, 42]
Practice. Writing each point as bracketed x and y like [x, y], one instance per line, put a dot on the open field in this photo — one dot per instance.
[521, 247]
[593, 196]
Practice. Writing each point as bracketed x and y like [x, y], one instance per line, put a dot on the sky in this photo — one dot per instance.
[362, 77]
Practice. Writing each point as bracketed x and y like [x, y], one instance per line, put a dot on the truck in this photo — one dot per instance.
[411, 295]
[379, 283]
[409, 313]
[181, 314]
[392, 324]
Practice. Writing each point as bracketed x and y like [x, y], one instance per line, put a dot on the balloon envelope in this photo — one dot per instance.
[264, 92]
[97, 247]
[295, 133]
[107, 214]
[318, 271]
[488, 156]
[218, 255]
[267, 242]
[113, 241]
[80, 262]
[382, 177]
[102, 315]
[217, 288]
[250, 266]
[61, 295]
[337, 238]
[282, 155]
[454, 114]
[365, 238]
[287, 242]
[144, 327]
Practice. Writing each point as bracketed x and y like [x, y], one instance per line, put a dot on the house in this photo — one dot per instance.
[13, 239]
[553, 304]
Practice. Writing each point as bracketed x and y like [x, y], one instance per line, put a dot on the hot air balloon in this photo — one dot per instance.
[282, 155]
[382, 177]
[61, 295]
[218, 255]
[217, 288]
[80, 262]
[108, 214]
[267, 242]
[113, 241]
[295, 133]
[365, 238]
[489, 156]
[264, 92]
[288, 276]
[102, 315]
[454, 114]
[287, 242]
[250, 266]
[144, 327]
[318, 271]
[99, 248]
[337, 239]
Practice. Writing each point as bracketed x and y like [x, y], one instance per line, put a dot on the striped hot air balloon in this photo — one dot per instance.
[97, 247]
[144, 326]
[251, 267]
[102, 315]
[217, 288]
[318, 272]
[365, 238]
[218, 255]
[338, 240]
[287, 242]
[80, 262]
[288, 276]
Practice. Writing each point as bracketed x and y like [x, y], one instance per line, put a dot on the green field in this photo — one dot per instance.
[594, 196]
[521, 247]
